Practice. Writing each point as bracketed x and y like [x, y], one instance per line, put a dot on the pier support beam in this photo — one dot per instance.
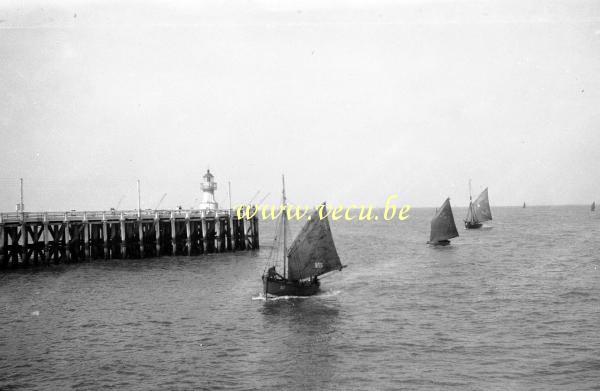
[239, 234]
[114, 238]
[67, 238]
[256, 236]
[242, 227]
[123, 237]
[252, 234]
[23, 243]
[218, 230]
[204, 241]
[86, 237]
[105, 236]
[141, 235]
[233, 233]
[188, 235]
[228, 225]
[2, 243]
[157, 233]
[45, 234]
[173, 234]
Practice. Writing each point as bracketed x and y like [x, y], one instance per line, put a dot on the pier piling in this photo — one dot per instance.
[86, 237]
[188, 235]
[157, 233]
[46, 239]
[105, 236]
[141, 236]
[30, 239]
[2, 240]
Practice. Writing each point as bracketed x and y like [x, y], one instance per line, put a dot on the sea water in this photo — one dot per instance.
[512, 306]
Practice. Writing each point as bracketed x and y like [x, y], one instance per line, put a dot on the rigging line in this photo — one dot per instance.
[275, 238]
[274, 246]
[270, 259]
[280, 258]
[273, 260]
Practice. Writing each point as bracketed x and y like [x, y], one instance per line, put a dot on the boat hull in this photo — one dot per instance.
[281, 287]
[472, 225]
[439, 243]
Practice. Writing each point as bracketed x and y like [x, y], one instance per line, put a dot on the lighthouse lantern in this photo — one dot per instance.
[208, 193]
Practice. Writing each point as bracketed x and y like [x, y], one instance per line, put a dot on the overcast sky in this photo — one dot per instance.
[353, 101]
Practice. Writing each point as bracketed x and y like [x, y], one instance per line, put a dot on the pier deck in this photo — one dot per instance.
[42, 238]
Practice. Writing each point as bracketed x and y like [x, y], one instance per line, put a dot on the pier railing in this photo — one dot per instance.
[145, 214]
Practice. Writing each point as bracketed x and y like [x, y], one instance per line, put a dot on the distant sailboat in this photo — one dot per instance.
[479, 211]
[443, 227]
[311, 254]
[524, 205]
[593, 207]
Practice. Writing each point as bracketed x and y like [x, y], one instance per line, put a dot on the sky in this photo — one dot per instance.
[353, 101]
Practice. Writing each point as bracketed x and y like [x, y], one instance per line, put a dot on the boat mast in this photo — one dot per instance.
[471, 203]
[470, 196]
[284, 220]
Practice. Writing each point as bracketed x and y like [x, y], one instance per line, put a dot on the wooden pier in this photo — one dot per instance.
[33, 239]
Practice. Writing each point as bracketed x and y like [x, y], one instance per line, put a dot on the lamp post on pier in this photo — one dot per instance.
[139, 200]
[21, 205]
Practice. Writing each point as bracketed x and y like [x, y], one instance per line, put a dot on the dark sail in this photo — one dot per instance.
[442, 224]
[593, 207]
[313, 252]
[481, 207]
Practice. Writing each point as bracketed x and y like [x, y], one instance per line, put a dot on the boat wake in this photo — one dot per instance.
[330, 293]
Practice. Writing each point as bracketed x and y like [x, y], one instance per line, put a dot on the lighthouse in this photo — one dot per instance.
[208, 193]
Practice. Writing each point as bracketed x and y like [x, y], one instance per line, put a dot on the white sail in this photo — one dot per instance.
[470, 214]
[481, 207]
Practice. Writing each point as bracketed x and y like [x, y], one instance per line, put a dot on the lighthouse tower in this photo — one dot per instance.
[208, 192]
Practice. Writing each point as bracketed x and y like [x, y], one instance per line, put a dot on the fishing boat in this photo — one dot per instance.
[443, 227]
[593, 207]
[479, 211]
[311, 255]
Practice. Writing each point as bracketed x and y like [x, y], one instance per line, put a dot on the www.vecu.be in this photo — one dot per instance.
[350, 213]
